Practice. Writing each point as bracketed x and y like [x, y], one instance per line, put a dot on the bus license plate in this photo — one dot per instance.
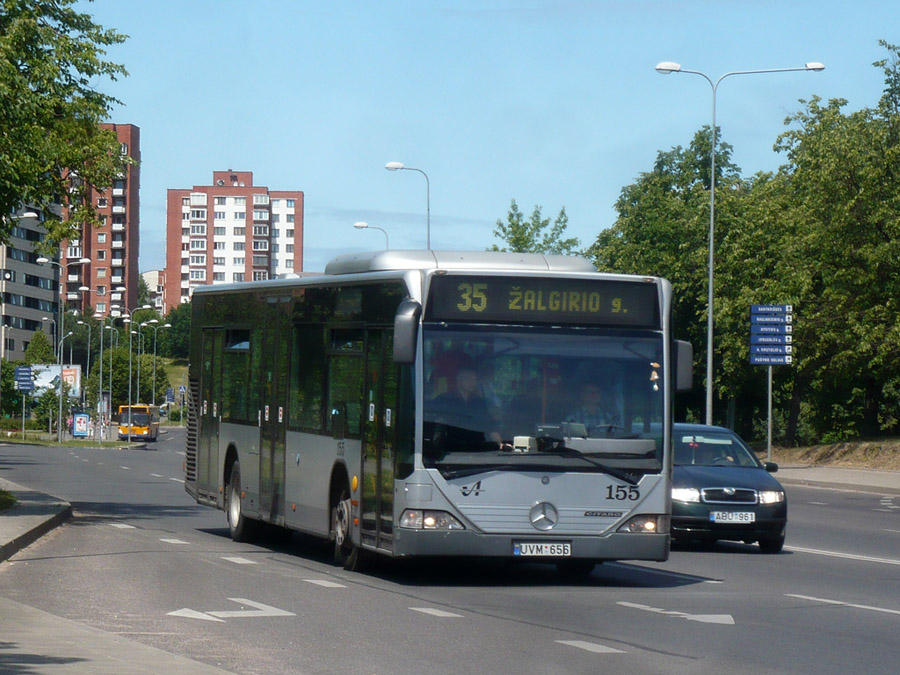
[528, 549]
[732, 516]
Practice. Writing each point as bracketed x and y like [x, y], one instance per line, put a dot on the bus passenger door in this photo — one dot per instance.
[273, 419]
[209, 412]
[377, 525]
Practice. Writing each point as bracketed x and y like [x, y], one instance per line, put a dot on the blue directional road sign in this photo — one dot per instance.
[24, 379]
[771, 335]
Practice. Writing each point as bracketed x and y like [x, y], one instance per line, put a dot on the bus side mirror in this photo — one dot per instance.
[406, 329]
[684, 365]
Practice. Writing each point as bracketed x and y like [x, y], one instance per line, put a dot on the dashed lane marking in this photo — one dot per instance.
[847, 556]
[175, 541]
[177, 480]
[843, 604]
[324, 583]
[436, 612]
[156, 475]
[240, 561]
[590, 646]
[123, 526]
[127, 468]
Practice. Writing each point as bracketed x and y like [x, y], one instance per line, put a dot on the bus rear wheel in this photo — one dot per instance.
[346, 553]
[240, 527]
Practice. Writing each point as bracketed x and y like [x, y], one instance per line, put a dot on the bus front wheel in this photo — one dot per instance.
[240, 527]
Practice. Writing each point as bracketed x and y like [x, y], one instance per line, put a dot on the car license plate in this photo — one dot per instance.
[732, 516]
[528, 549]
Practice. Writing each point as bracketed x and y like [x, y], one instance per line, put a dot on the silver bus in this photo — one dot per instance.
[436, 403]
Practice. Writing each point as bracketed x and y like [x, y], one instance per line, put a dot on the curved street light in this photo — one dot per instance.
[365, 226]
[666, 68]
[398, 166]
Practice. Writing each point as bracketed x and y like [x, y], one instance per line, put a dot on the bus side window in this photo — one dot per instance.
[307, 383]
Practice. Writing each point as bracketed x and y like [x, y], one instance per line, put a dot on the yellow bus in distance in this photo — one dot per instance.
[143, 420]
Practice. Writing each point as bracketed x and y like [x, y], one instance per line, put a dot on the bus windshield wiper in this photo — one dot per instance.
[563, 451]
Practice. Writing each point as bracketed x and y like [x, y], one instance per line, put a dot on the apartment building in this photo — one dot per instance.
[28, 289]
[113, 248]
[156, 284]
[230, 231]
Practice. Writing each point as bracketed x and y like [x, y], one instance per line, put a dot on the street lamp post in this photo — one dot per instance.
[127, 320]
[116, 333]
[59, 422]
[665, 68]
[365, 226]
[398, 166]
[88, 365]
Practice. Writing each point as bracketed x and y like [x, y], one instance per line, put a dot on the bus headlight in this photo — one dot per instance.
[771, 496]
[416, 519]
[686, 494]
[646, 524]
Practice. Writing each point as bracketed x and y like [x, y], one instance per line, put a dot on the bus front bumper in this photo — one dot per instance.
[467, 543]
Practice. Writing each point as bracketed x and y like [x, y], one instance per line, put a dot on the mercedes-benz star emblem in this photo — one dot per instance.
[544, 516]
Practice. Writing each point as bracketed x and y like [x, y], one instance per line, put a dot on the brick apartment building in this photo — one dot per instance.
[113, 248]
[230, 231]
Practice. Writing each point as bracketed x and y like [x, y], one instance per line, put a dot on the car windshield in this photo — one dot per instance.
[711, 448]
[542, 399]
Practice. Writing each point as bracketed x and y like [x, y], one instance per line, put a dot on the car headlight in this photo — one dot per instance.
[771, 496]
[416, 519]
[686, 494]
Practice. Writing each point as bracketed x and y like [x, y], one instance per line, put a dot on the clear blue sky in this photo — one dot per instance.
[549, 102]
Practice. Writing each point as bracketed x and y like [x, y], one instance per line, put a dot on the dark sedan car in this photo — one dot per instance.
[720, 490]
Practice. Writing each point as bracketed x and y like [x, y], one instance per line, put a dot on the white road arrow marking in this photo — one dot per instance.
[724, 619]
[194, 614]
[261, 610]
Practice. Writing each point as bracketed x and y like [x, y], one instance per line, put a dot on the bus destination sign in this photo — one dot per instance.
[544, 300]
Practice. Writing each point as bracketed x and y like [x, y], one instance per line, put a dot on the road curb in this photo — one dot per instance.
[34, 515]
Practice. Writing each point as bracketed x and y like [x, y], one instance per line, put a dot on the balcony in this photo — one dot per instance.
[73, 276]
[118, 209]
[115, 297]
[118, 192]
[118, 244]
[117, 279]
[118, 227]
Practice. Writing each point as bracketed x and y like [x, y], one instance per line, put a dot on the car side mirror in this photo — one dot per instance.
[771, 467]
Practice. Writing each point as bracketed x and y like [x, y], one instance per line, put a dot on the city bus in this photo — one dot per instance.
[319, 404]
[138, 422]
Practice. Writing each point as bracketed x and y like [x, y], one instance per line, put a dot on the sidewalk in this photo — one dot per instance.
[38, 642]
[863, 480]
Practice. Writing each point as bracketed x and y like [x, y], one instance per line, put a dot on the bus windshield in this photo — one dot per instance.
[542, 399]
[138, 419]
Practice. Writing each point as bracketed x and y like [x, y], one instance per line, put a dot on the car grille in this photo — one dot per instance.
[724, 495]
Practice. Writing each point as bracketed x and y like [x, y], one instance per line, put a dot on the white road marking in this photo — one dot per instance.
[123, 526]
[724, 619]
[261, 610]
[887, 530]
[194, 614]
[590, 647]
[324, 583]
[177, 480]
[436, 612]
[127, 468]
[156, 475]
[848, 556]
[843, 604]
[818, 503]
[175, 541]
[240, 561]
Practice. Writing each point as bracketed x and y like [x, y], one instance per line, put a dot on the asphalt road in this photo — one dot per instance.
[141, 560]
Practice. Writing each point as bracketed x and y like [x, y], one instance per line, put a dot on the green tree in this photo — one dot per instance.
[52, 148]
[536, 235]
[39, 350]
[11, 399]
[143, 292]
[175, 342]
